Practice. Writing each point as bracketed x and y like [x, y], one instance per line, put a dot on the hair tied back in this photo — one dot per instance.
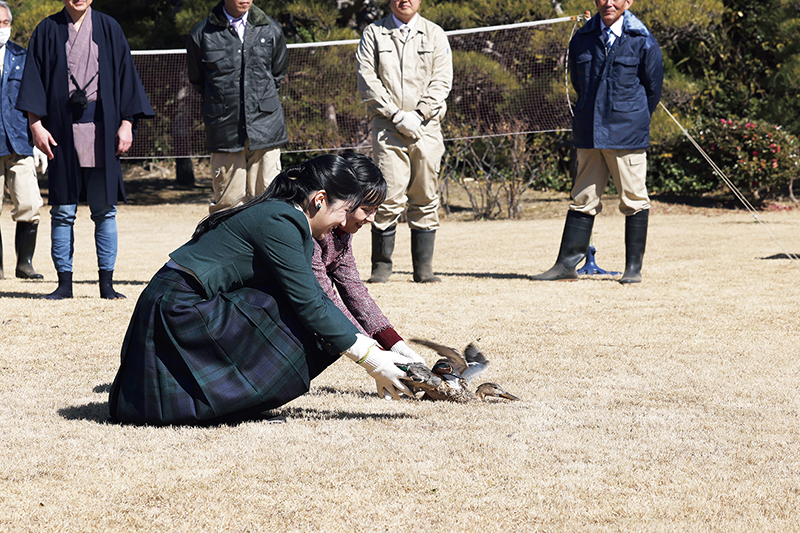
[294, 172]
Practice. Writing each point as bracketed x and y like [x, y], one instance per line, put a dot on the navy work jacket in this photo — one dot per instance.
[618, 91]
[15, 125]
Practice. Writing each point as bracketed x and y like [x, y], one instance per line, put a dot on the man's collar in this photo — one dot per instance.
[411, 23]
[231, 19]
[616, 28]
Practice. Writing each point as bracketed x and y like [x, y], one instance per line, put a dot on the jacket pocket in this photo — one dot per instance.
[219, 62]
[269, 105]
[582, 65]
[625, 72]
[212, 110]
[388, 64]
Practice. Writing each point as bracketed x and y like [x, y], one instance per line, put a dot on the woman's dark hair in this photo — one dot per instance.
[330, 173]
[370, 177]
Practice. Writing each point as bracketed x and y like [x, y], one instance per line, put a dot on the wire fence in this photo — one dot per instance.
[507, 80]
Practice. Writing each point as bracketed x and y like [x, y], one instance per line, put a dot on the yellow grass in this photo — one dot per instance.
[667, 406]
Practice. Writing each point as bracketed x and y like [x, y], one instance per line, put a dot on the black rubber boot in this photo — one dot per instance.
[574, 247]
[107, 286]
[64, 289]
[382, 249]
[635, 241]
[25, 245]
[422, 255]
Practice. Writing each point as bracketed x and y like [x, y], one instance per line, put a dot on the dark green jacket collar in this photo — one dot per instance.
[256, 16]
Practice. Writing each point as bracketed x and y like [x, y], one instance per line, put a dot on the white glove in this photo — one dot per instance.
[404, 349]
[39, 161]
[398, 116]
[380, 365]
[409, 124]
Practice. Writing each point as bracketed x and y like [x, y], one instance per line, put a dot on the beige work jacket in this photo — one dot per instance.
[392, 75]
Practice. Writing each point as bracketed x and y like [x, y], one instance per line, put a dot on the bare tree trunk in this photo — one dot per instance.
[184, 172]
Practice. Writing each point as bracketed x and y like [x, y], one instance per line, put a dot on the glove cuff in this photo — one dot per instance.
[359, 351]
[387, 338]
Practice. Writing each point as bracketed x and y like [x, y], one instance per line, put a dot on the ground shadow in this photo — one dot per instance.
[99, 412]
[116, 282]
[39, 295]
[489, 275]
[506, 275]
[152, 191]
[92, 412]
[155, 190]
[781, 256]
[324, 414]
[31, 295]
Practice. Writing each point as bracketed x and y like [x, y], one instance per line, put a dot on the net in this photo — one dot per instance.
[507, 80]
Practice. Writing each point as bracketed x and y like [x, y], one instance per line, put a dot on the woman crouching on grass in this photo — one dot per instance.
[335, 265]
[235, 323]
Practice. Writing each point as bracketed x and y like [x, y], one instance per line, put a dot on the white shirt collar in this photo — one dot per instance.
[231, 19]
[616, 28]
[411, 23]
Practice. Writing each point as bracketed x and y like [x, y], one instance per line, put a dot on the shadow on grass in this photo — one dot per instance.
[49, 288]
[716, 202]
[30, 295]
[487, 275]
[507, 275]
[99, 412]
[152, 191]
[116, 282]
[155, 191]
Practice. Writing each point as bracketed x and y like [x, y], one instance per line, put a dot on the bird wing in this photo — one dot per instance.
[456, 359]
[476, 362]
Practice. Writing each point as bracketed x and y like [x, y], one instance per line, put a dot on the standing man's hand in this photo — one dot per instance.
[124, 137]
[42, 138]
[409, 124]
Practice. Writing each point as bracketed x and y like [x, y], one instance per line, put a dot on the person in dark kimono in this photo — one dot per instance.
[82, 96]
[235, 323]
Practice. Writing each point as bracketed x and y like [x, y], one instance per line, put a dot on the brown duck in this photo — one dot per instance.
[449, 378]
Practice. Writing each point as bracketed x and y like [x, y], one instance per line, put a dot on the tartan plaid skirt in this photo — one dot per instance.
[186, 359]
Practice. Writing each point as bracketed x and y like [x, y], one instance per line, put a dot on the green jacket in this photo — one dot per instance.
[222, 69]
[267, 243]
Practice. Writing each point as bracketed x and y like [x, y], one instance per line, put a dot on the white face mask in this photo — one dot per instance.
[5, 35]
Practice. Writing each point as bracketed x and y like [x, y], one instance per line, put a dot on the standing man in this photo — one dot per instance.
[82, 95]
[616, 68]
[405, 71]
[236, 59]
[17, 164]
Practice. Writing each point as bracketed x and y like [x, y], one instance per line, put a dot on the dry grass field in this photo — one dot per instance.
[671, 405]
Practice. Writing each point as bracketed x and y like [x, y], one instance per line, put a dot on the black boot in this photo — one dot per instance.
[107, 286]
[25, 244]
[64, 289]
[635, 240]
[422, 255]
[382, 249]
[574, 247]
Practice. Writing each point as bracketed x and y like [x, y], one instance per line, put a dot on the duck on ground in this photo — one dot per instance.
[450, 376]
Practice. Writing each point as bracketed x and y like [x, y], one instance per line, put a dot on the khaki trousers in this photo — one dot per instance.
[240, 176]
[411, 169]
[628, 168]
[19, 175]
